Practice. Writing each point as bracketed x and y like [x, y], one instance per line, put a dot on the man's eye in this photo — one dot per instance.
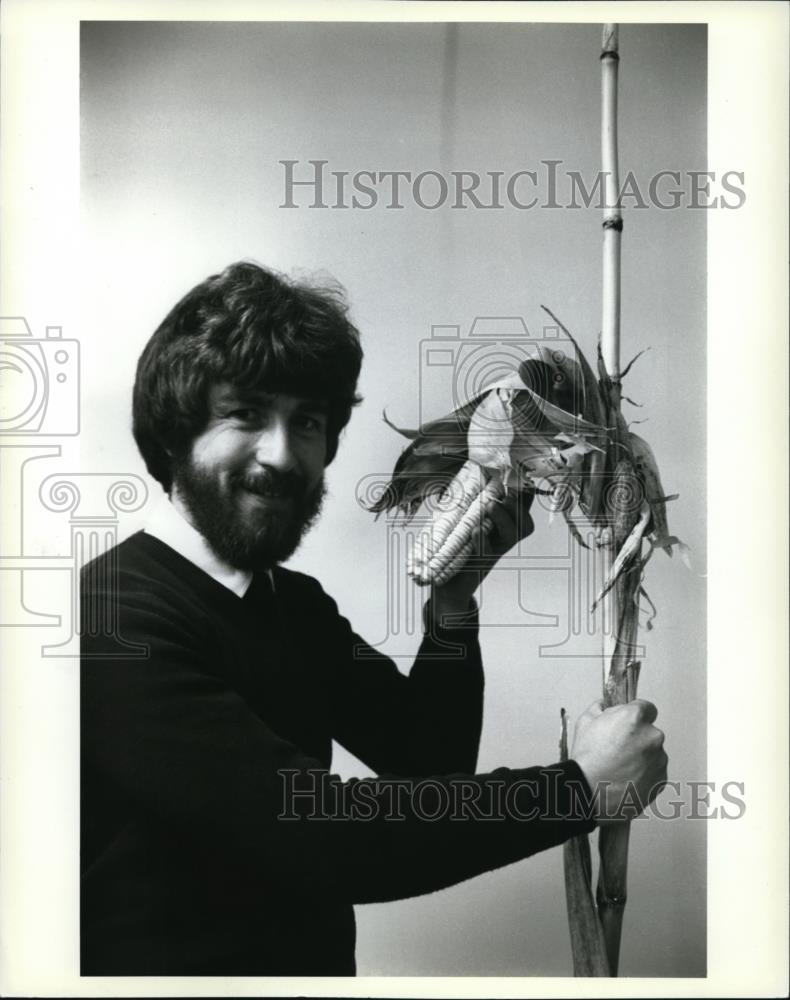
[312, 424]
[244, 414]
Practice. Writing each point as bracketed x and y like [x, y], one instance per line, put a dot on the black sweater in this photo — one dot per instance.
[193, 860]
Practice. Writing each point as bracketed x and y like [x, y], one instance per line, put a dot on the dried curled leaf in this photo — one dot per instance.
[647, 470]
[436, 454]
[625, 557]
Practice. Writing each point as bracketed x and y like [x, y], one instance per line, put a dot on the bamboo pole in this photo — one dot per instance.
[596, 924]
[588, 945]
[612, 218]
[619, 687]
[619, 646]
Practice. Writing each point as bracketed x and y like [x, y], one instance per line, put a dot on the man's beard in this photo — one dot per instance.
[262, 537]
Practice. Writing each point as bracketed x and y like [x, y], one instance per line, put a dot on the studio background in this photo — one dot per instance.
[182, 128]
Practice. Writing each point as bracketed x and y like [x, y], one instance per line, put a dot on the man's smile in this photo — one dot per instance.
[270, 491]
[278, 498]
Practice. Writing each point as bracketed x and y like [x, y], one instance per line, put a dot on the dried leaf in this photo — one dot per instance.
[626, 554]
[595, 406]
[563, 420]
[490, 433]
[580, 445]
[647, 469]
[424, 476]
[437, 451]
[603, 374]
[653, 610]
[666, 542]
[404, 431]
[627, 368]
[575, 533]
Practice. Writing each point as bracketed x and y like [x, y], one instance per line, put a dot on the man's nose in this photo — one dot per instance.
[273, 447]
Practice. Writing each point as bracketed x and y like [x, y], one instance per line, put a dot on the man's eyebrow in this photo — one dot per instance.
[314, 405]
[231, 396]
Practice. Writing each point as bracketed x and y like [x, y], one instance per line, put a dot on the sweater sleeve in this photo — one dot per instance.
[424, 723]
[186, 753]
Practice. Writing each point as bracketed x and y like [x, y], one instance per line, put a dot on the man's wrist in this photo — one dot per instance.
[451, 600]
[589, 792]
[445, 612]
[454, 597]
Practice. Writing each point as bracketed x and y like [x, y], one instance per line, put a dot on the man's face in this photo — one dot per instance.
[253, 481]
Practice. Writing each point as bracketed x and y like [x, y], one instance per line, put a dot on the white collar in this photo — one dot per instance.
[170, 527]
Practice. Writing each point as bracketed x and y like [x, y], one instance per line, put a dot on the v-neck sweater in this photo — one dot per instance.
[214, 839]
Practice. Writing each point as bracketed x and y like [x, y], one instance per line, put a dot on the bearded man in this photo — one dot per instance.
[214, 680]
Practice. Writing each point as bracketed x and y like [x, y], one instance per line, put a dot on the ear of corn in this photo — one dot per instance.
[446, 546]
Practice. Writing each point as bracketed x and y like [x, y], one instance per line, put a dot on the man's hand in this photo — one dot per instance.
[621, 754]
[511, 521]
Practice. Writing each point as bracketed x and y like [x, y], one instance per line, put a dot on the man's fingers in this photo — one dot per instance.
[524, 523]
[647, 711]
[524, 500]
[511, 515]
[502, 516]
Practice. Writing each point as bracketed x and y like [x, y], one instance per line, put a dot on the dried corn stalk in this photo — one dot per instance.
[551, 427]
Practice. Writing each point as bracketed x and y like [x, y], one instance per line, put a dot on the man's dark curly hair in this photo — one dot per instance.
[253, 328]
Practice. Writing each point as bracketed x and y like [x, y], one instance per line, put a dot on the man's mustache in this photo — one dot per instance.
[272, 481]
